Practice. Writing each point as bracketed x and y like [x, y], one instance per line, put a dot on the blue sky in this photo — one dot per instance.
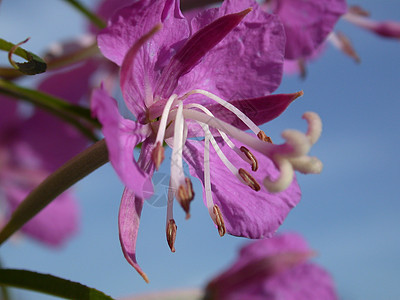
[350, 214]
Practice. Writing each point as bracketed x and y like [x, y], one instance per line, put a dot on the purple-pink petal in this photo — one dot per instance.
[278, 271]
[134, 21]
[247, 63]
[54, 224]
[307, 23]
[122, 136]
[195, 48]
[128, 224]
[246, 213]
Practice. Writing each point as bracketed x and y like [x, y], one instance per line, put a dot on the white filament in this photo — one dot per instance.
[177, 175]
[245, 119]
[164, 118]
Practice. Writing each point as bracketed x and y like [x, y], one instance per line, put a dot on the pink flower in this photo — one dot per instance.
[174, 83]
[270, 269]
[30, 149]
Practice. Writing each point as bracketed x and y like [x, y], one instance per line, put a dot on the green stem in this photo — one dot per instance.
[71, 172]
[50, 285]
[91, 16]
[5, 294]
[66, 111]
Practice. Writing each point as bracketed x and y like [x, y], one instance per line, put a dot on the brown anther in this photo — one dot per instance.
[158, 155]
[251, 157]
[358, 10]
[219, 220]
[262, 136]
[185, 195]
[347, 47]
[171, 234]
[251, 182]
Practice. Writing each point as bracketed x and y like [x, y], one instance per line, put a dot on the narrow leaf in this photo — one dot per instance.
[48, 284]
[74, 170]
[34, 65]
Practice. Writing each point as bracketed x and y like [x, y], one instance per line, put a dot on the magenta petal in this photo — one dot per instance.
[307, 23]
[198, 45]
[55, 224]
[8, 111]
[132, 22]
[71, 85]
[277, 271]
[247, 63]
[246, 212]
[121, 136]
[260, 110]
[128, 224]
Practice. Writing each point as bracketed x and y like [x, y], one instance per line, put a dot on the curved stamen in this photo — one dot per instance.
[245, 119]
[238, 151]
[297, 146]
[251, 157]
[181, 185]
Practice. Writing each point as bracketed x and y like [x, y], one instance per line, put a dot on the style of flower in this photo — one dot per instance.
[275, 268]
[30, 149]
[174, 82]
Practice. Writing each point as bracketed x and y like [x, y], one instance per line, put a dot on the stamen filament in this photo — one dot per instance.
[223, 134]
[245, 119]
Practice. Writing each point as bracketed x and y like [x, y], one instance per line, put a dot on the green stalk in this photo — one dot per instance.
[70, 173]
[86, 12]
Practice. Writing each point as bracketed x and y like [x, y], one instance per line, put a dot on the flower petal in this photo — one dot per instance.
[128, 224]
[245, 212]
[307, 23]
[121, 136]
[247, 63]
[55, 224]
[195, 48]
[125, 41]
[132, 22]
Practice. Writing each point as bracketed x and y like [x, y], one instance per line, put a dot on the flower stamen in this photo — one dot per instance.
[263, 137]
[219, 220]
[251, 157]
[171, 234]
[245, 119]
[249, 180]
[185, 195]
[158, 154]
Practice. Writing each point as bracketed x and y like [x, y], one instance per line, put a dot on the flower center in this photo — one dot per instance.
[287, 157]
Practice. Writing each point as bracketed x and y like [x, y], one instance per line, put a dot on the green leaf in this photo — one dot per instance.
[63, 178]
[48, 284]
[34, 65]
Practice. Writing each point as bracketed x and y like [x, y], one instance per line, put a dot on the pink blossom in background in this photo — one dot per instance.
[271, 269]
[30, 149]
